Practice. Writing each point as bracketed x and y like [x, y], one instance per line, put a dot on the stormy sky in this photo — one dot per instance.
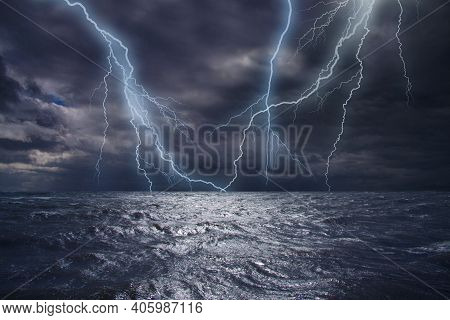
[212, 57]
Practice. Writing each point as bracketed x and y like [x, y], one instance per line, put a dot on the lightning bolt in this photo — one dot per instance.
[359, 20]
[320, 24]
[269, 83]
[400, 54]
[105, 115]
[359, 76]
[135, 95]
[142, 105]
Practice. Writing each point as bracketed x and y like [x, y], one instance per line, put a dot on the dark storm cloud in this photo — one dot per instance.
[8, 88]
[212, 56]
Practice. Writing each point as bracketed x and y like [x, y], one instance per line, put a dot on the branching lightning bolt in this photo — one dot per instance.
[135, 96]
[320, 24]
[141, 103]
[352, 91]
[269, 84]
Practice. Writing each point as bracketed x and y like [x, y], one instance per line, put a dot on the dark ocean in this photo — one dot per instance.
[225, 246]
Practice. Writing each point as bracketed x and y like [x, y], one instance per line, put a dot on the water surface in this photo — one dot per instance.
[226, 246]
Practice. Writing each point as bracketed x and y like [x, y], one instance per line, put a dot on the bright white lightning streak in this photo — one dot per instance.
[350, 96]
[105, 115]
[269, 82]
[400, 54]
[320, 3]
[249, 108]
[266, 103]
[323, 99]
[319, 27]
[326, 73]
[316, 31]
[136, 95]
[118, 52]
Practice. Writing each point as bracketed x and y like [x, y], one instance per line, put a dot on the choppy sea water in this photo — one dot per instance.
[225, 246]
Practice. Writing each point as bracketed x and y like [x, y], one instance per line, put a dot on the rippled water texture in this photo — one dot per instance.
[234, 245]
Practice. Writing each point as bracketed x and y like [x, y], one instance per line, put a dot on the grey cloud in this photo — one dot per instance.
[212, 56]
